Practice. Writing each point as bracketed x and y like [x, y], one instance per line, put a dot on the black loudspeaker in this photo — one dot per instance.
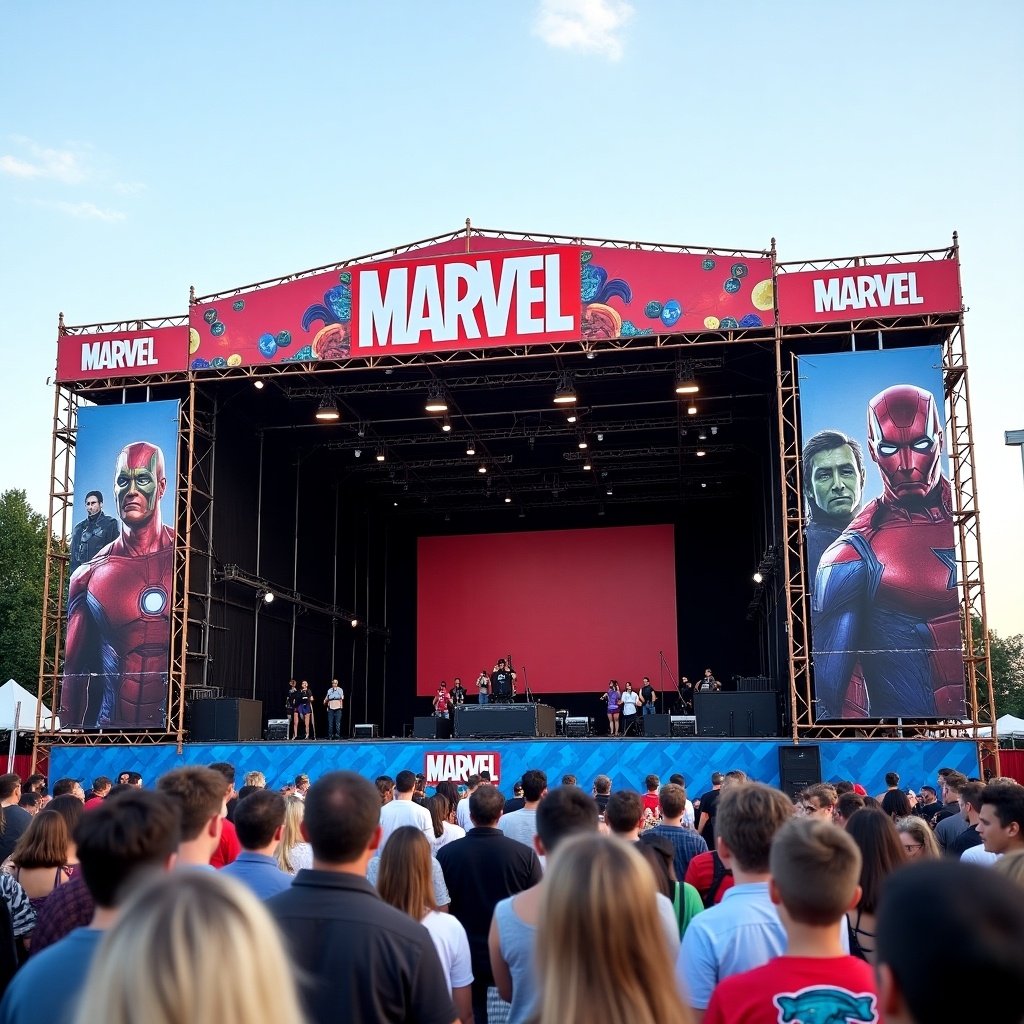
[277, 729]
[226, 718]
[657, 725]
[684, 725]
[736, 714]
[429, 727]
[504, 720]
[799, 767]
[366, 731]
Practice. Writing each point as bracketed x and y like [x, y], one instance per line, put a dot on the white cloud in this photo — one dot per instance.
[82, 210]
[592, 26]
[129, 188]
[63, 165]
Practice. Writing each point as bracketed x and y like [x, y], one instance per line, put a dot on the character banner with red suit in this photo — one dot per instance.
[117, 653]
[878, 517]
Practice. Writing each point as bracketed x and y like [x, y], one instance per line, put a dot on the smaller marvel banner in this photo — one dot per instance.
[885, 611]
[495, 297]
[852, 293]
[121, 354]
[117, 652]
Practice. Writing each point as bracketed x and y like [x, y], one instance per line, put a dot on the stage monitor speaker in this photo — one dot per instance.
[577, 726]
[225, 719]
[799, 767]
[736, 714]
[277, 729]
[366, 731]
[684, 725]
[657, 725]
[430, 727]
[486, 720]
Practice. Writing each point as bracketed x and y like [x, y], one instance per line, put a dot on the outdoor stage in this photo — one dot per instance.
[627, 761]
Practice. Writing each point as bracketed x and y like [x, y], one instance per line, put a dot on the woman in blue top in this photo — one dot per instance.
[614, 701]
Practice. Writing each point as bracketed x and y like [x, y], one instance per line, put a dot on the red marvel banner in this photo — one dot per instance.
[882, 290]
[502, 295]
[122, 353]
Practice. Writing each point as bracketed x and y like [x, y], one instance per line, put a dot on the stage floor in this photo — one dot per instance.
[628, 761]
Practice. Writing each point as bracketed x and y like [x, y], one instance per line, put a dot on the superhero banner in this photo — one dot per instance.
[885, 619]
[883, 290]
[117, 652]
[497, 296]
[121, 354]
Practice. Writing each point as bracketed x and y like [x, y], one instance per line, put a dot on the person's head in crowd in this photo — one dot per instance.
[291, 833]
[599, 909]
[952, 783]
[846, 804]
[301, 784]
[652, 782]
[568, 780]
[36, 783]
[68, 786]
[439, 809]
[660, 854]
[228, 771]
[255, 779]
[881, 851]
[871, 803]
[927, 796]
[485, 776]
[200, 794]
[405, 785]
[101, 786]
[892, 780]
[71, 809]
[748, 816]
[602, 785]
[677, 780]
[342, 821]
[247, 790]
[44, 844]
[130, 779]
[917, 838]
[896, 803]
[31, 802]
[945, 908]
[815, 872]
[472, 782]
[517, 789]
[535, 785]
[735, 775]
[818, 801]
[156, 963]
[843, 786]
[124, 838]
[623, 813]
[259, 820]
[386, 788]
[565, 811]
[486, 805]
[1001, 817]
[1012, 865]
[405, 878]
[120, 787]
[449, 790]
[10, 787]
[672, 800]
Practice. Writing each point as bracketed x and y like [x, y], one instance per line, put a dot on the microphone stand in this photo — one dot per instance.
[526, 685]
[663, 669]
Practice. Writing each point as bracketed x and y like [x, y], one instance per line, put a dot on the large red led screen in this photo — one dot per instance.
[573, 608]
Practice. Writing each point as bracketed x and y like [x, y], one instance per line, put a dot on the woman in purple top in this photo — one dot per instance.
[613, 698]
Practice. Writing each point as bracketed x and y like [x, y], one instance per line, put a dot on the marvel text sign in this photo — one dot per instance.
[882, 290]
[454, 766]
[122, 353]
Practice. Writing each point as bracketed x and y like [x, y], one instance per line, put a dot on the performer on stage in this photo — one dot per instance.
[304, 709]
[119, 608]
[630, 701]
[613, 699]
[483, 686]
[442, 701]
[708, 684]
[335, 701]
[685, 696]
[291, 704]
[503, 682]
[648, 695]
[458, 692]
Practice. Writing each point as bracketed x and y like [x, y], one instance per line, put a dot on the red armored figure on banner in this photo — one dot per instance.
[119, 609]
[886, 591]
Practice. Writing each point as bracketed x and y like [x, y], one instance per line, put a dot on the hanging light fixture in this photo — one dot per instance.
[380, 455]
[447, 425]
[258, 384]
[471, 447]
[436, 402]
[691, 409]
[482, 468]
[565, 393]
[327, 411]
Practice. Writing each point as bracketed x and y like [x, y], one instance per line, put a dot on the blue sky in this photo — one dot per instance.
[148, 147]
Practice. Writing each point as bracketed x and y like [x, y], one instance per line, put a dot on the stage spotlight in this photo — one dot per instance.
[590, 354]
[447, 425]
[267, 596]
[358, 452]
[258, 384]
[436, 401]
[600, 437]
[691, 409]
[703, 485]
[571, 418]
[686, 386]
[482, 469]
[714, 431]
[581, 443]
[758, 578]
[394, 504]
[380, 455]
[701, 453]
[703, 435]
[355, 622]
[471, 448]
[565, 393]
[587, 465]
[600, 510]
[609, 491]
[508, 499]
[328, 410]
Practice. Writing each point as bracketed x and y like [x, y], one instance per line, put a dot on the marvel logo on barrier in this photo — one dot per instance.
[891, 289]
[442, 766]
[122, 353]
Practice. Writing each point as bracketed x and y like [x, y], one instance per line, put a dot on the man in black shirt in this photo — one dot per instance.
[93, 533]
[503, 681]
[15, 819]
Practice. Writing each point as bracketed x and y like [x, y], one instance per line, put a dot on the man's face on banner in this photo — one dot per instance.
[836, 482]
[139, 482]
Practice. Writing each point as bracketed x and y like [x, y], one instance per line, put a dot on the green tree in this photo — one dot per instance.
[22, 560]
[1007, 658]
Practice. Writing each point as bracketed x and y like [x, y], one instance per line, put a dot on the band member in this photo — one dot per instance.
[708, 683]
[503, 682]
[483, 686]
[614, 699]
[629, 701]
[119, 608]
[648, 696]
[335, 701]
[458, 692]
[304, 708]
[685, 696]
[442, 701]
[291, 704]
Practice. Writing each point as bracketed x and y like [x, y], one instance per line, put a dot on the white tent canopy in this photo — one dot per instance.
[10, 694]
[1010, 725]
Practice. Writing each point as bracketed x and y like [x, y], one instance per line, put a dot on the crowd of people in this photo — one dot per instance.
[346, 899]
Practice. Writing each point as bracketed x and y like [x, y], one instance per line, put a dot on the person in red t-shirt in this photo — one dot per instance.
[442, 702]
[650, 798]
[815, 869]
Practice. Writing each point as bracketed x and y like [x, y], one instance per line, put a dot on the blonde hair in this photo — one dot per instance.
[921, 832]
[191, 946]
[406, 878]
[294, 810]
[256, 779]
[598, 913]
